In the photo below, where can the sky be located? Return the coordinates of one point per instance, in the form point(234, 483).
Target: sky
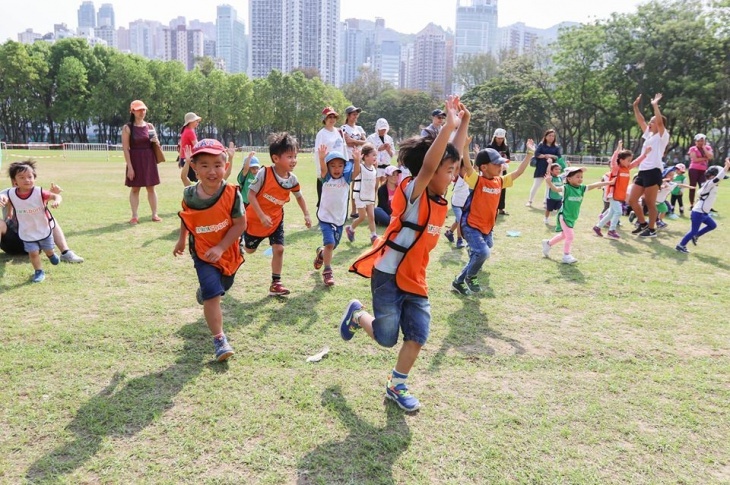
point(406, 16)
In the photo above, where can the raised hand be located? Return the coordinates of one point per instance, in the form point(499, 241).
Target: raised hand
point(637, 101)
point(322, 151)
point(188, 154)
point(231, 150)
point(530, 145)
point(657, 98)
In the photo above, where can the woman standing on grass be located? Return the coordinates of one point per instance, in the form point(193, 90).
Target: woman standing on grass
point(547, 152)
point(137, 139)
point(700, 155)
point(188, 138)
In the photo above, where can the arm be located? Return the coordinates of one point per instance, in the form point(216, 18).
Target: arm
point(125, 151)
point(254, 202)
point(462, 131)
point(321, 154)
point(637, 114)
point(303, 205)
point(614, 157)
point(356, 156)
point(56, 199)
point(658, 119)
point(597, 185)
point(435, 152)
point(526, 161)
point(232, 235)
point(179, 249)
point(230, 152)
point(640, 158)
point(549, 182)
point(186, 168)
point(351, 142)
point(247, 164)
point(389, 146)
point(685, 186)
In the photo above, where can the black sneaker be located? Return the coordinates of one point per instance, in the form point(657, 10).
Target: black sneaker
point(473, 284)
point(681, 249)
point(694, 240)
point(460, 288)
point(648, 233)
point(640, 228)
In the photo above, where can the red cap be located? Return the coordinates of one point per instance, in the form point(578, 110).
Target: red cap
point(329, 110)
point(209, 145)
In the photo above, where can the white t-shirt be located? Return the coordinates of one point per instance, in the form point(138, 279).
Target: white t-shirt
point(356, 133)
point(461, 193)
point(664, 191)
point(383, 155)
point(658, 144)
point(708, 194)
point(335, 193)
point(334, 142)
point(365, 184)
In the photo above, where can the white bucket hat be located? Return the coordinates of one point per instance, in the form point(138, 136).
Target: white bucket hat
point(382, 124)
point(190, 117)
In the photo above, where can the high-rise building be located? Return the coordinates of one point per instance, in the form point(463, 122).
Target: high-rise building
point(105, 16)
point(353, 52)
point(183, 45)
point(521, 39)
point(476, 30)
point(292, 34)
point(108, 34)
point(429, 61)
point(178, 22)
point(407, 65)
point(28, 37)
point(209, 48)
point(123, 39)
point(231, 39)
point(389, 62)
point(87, 15)
point(208, 28)
point(147, 39)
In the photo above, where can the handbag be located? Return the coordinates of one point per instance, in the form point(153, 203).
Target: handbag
point(159, 154)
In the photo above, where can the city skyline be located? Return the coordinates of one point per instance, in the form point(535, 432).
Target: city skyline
point(406, 16)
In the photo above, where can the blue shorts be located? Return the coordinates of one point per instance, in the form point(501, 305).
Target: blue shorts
point(212, 281)
point(553, 204)
point(397, 311)
point(458, 211)
point(277, 237)
point(331, 233)
point(43, 244)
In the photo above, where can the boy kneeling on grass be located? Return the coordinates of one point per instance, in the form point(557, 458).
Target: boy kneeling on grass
point(213, 221)
point(397, 262)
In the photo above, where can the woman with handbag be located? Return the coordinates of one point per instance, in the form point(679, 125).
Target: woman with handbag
point(138, 140)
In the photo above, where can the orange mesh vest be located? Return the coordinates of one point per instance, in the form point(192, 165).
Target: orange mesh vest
point(410, 276)
point(621, 184)
point(482, 204)
point(209, 226)
point(271, 198)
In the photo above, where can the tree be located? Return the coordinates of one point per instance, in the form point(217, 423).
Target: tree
point(474, 69)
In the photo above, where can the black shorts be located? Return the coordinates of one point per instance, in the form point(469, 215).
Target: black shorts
point(649, 178)
point(10, 241)
point(553, 204)
point(277, 237)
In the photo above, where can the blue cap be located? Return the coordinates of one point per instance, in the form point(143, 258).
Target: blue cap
point(334, 156)
point(668, 170)
point(254, 162)
point(490, 155)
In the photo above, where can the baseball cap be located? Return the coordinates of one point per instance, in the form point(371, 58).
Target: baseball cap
point(571, 170)
point(668, 170)
point(208, 145)
point(382, 124)
point(254, 162)
point(438, 112)
point(190, 117)
point(329, 110)
point(700, 136)
point(490, 155)
point(334, 156)
point(681, 167)
point(352, 109)
point(499, 133)
point(391, 169)
point(137, 104)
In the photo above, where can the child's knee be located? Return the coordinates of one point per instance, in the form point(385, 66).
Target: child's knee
point(277, 249)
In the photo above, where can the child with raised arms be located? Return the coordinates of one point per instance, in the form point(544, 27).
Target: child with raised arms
point(266, 197)
point(703, 206)
point(212, 221)
point(247, 175)
point(365, 189)
point(336, 173)
point(35, 222)
point(397, 262)
point(572, 191)
point(553, 199)
point(480, 210)
point(458, 199)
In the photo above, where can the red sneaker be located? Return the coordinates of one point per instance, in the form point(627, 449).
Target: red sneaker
point(328, 278)
point(319, 259)
point(277, 289)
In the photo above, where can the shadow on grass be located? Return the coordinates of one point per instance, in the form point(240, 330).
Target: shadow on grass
point(125, 407)
point(453, 257)
point(172, 236)
point(366, 455)
point(570, 272)
point(467, 331)
point(711, 260)
point(116, 227)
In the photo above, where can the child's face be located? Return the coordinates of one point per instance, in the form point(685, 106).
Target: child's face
point(370, 157)
point(336, 168)
point(24, 180)
point(443, 176)
point(624, 162)
point(575, 179)
point(490, 170)
point(555, 171)
point(254, 170)
point(393, 179)
point(210, 169)
point(286, 160)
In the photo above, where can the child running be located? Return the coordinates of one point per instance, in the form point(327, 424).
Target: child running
point(701, 210)
point(553, 199)
point(480, 210)
point(213, 221)
point(397, 262)
point(336, 174)
point(364, 192)
point(617, 190)
point(572, 191)
point(35, 222)
point(247, 175)
point(458, 199)
point(266, 197)
point(677, 200)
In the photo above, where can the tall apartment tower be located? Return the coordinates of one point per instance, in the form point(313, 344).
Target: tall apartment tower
point(231, 41)
point(291, 34)
point(476, 30)
point(429, 61)
point(87, 15)
point(183, 45)
point(105, 16)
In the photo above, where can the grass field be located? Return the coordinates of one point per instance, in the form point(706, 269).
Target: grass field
point(614, 370)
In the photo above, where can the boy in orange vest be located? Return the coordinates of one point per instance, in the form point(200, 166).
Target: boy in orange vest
point(266, 197)
point(397, 262)
point(213, 221)
point(480, 210)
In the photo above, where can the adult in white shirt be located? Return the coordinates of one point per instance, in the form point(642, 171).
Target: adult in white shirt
point(354, 138)
point(383, 143)
point(649, 178)
point(329, 136)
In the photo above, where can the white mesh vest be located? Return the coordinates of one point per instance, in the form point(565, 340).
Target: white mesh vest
point(34, 220)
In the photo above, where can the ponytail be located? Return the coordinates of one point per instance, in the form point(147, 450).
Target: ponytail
point(131, 128)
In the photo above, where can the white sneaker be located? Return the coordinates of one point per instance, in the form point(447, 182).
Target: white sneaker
point(546, 248)
point(71, 257)
point(546, 221)
point(569, 259)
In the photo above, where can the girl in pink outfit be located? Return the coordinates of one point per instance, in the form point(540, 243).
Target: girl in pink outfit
point(700, 156)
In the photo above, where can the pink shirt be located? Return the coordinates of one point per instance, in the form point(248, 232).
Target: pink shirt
point(697, 159)
point(188, 138)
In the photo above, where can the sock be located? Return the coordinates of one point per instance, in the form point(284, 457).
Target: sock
point(64, 252)
point(275, 278)
point(219, 336)
point(356, 316)
point(397, 378)
point(328, 268)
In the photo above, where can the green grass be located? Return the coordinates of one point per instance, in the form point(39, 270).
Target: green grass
point(615, 370)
